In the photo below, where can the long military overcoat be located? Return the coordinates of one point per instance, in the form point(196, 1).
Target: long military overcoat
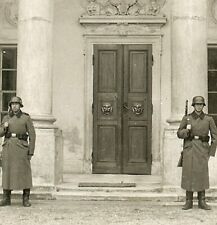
point(16, 168)
point(196, 153)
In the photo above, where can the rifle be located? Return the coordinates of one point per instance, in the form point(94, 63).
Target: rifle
point(180, 162)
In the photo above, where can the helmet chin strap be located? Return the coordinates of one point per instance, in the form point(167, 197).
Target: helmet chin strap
point(198, 112)
point(15, 112)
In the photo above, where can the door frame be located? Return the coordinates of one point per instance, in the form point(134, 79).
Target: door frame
point(156, 42)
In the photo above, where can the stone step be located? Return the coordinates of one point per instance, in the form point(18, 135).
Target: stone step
point(148, 189)
point(117, 196)
point(121, 194)
point(111, 178)
point(109, 183)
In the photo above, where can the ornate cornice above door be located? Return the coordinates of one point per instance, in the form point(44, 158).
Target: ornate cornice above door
point(123, 17)
point(123, 12)
point(124, 7)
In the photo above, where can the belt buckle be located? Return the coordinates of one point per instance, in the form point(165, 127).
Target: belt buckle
point(13, 135)
point(196, 137)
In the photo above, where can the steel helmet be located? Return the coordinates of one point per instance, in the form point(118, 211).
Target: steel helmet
point(198, 100)
point(16, 99)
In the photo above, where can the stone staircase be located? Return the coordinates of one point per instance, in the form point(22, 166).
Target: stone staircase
point(114, 187)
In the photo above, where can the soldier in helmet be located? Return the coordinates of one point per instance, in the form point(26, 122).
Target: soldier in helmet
point(18, 148)
point(195, 129)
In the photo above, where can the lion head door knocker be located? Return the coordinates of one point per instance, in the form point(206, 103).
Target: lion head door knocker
point(137, 109)
point(107, 109)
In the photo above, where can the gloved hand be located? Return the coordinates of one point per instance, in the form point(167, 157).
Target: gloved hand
point(6, 124)
point(184, 133)
point(212, 150)
point(29, 157)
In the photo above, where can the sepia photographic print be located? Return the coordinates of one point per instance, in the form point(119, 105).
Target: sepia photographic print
point(108, 112)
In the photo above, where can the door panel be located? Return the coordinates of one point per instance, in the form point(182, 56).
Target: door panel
point(138, 75)
point(122, 109)
point(107, 70)
point(137, 120)
point(106, 143)
point(106, 109)
point(137, 141)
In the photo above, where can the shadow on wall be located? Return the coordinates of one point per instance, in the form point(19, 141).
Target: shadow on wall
point(72, 138)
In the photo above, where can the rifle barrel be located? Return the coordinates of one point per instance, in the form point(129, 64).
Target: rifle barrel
point(186, 107)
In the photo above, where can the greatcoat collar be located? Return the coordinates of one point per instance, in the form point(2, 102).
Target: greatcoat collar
point(196, 116)
point(18, 115)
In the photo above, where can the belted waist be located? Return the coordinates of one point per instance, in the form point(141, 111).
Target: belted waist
point(202, 138)
point(19, 136)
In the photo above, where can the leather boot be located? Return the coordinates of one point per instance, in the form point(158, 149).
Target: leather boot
point(26, 194)
point(202, 201)
point(6, 199)
point(189, 201)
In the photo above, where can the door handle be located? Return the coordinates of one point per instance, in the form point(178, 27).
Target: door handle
point(125, 106)
point(137, 109)
point(107, 109)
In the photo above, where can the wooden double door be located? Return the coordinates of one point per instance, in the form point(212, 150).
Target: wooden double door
point(122, 109)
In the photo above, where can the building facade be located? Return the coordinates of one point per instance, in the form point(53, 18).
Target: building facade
point(106, 81)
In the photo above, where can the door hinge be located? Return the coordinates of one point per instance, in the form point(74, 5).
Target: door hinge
point(93, 60)
point(152, 60)
point(152, 108)
point(92, 159)
point(151, 158)
point(92, 108)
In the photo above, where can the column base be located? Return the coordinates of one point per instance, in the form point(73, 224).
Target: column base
point(48, 157)
point(172, 148)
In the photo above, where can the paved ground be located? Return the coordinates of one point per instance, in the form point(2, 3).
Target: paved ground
point(60, 212)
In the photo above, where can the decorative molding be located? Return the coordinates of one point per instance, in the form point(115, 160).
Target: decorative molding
point(123, 7)
point(122, 29)
point(123, 12)
point(122, 20)
point(11, 12)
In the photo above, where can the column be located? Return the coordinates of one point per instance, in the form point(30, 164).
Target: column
point(34, 72)
point(189, 76)
point(34, 83)
point(189, 53)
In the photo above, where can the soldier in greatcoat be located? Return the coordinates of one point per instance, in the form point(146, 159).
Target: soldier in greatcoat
point(18, 148)
point(195, 129)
